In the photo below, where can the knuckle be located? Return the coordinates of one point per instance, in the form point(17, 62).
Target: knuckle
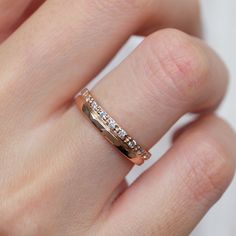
point(178, 62)
point(211, 170)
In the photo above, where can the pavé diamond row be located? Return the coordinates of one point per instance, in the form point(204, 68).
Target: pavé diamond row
point(127, 145)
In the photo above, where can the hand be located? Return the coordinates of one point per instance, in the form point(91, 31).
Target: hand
point(58, 175)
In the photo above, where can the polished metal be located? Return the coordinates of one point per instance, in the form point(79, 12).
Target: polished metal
point(110, 129)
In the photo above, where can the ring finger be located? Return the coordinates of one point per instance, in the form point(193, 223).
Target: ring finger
point(169, 74)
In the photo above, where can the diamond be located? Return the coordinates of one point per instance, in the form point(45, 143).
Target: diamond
point(122, 134)
point(99, 109)
point(103, 114)
point(111, 124)
point(94, 105)
point(88, 99)
point(146, 157)
point(132, 143)
point(140, 151)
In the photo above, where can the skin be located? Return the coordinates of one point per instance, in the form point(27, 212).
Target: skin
point(58, 176)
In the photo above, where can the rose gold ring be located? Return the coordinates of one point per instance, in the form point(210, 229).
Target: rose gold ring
point(110, 129)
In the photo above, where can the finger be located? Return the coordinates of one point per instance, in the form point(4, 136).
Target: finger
point(13, 13)
point(167, 13)
point(173, 196)
point(169, 74)
point(65, 45)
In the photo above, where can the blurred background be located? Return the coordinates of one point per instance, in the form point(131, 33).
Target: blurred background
point(219, 20)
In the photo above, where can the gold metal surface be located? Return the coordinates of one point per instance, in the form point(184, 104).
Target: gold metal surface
point(110, 129)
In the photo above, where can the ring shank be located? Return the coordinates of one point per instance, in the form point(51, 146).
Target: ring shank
point(100, 119)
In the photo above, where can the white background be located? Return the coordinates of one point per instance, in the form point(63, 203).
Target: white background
point(219, 18)
point(220, 26)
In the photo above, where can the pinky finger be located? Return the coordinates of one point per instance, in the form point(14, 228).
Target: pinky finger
point(174, 195)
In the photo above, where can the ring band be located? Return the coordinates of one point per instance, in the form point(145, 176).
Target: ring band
point(110, 129)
